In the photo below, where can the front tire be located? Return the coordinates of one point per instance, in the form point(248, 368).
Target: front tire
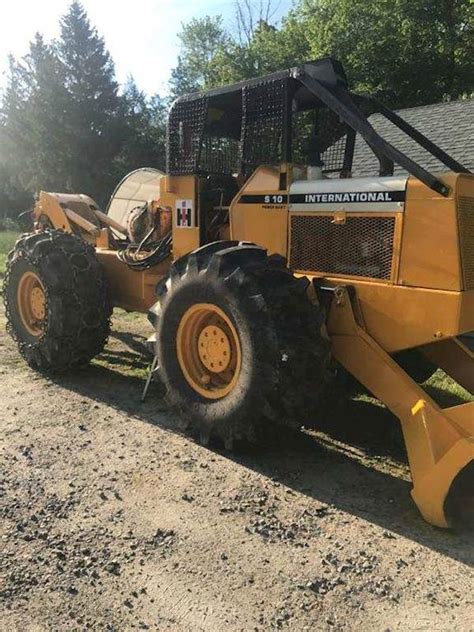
point(56, 301)
point(239, 342)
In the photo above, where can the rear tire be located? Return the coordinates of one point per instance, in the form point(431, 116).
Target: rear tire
point(283, 351)
point(70, 321)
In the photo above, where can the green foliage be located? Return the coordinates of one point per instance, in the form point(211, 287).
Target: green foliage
point(407, 52)
point(268, 50)
point(93, 130)
point(32, 114)
point(14, 197)
point(7, 241)
point(201, 42)
point(144, 127)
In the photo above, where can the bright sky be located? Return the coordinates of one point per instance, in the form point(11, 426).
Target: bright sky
point(141, 35)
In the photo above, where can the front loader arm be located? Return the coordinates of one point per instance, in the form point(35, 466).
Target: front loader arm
point(68, 212)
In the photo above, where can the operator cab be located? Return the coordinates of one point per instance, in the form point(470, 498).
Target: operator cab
point(255, 145)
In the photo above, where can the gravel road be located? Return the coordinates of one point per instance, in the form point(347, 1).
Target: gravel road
point(113, 519)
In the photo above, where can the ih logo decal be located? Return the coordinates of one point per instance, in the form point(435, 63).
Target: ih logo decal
point(185, 214)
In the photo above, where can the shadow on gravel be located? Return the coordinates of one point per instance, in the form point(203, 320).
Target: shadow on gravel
point(134, 341)
point(337, 465)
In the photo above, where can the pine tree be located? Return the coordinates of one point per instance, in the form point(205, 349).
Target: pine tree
point(94, 128)
point(145, 129)
point(32, 117)
point(64, 126)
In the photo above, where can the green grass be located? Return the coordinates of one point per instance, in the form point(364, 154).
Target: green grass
point(7, 241)
point(446, 391)
point(123, 315)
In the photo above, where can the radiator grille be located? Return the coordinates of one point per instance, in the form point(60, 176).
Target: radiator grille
point(466, 237)
point(363, 246)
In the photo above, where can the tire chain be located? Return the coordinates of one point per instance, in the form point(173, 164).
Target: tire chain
point(20, 250)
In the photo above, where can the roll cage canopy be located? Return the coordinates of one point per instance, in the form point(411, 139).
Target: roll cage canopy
point(235, 128)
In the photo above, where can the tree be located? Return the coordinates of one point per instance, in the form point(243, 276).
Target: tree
point(255, 46)
point(201, 40)
point(65, 126)
point(61, 111)
point(250, 16)
point(94, 132)
point(145, 131)
point(269, 49)
point(14, 197)
point(408, 52)
point(33, 117)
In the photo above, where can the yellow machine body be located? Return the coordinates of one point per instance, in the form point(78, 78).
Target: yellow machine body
point(427, 301)
point(429, 295)
point(422, 297)
point(261, 173)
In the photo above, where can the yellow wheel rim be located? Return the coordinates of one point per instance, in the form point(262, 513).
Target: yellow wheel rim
point(209, 351)
point(31, 299)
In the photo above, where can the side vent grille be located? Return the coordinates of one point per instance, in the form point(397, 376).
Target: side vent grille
point(466, 238)
point(362, 247)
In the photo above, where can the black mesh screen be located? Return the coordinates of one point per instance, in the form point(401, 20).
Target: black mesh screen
point(319, 137)
point(185, 129)
point(219, 156)
point(466, 237)
point(263, 109)
point(333, 157)
point(363, 246)
point(332, 136)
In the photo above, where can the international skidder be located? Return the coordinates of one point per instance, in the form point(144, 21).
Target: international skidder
point(260, 260)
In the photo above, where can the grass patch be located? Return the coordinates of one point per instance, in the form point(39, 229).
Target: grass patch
point(7, 241)
point(446, 391)
point(122, 315)
point(132, 368)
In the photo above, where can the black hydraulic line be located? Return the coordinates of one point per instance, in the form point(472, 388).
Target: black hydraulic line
point(160, 252)
point(340, 101)
point(420, 138)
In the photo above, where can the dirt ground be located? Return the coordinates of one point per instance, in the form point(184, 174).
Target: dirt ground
point(114, 520)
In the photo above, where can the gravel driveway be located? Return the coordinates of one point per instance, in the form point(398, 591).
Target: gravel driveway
point(114, 520)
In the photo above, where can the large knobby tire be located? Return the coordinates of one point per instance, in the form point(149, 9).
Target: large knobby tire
point(56, 300)
point(283, 352)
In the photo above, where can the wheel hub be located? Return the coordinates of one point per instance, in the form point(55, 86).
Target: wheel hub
point(38, 303)
point(214, 348)
point(31, 301)
point(208, 349)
